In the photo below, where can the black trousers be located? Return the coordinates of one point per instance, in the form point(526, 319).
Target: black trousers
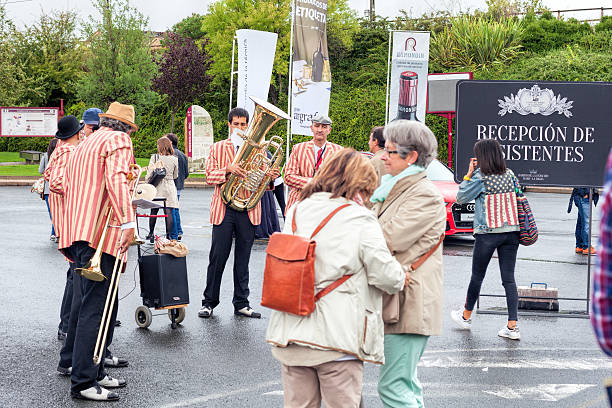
point(66, 300)
point(234, 223)
point(92, 298)
point(485, 245)
point(279, 193)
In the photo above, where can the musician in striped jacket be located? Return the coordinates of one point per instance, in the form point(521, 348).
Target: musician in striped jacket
point(68, 138)
point(307, 157)
point(496, 227)
point(228, 223)
point(96, 180)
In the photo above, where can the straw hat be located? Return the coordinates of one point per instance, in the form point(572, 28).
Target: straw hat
point(122, 113)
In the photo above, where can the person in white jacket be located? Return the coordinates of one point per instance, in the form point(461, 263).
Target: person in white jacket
point(322, 354)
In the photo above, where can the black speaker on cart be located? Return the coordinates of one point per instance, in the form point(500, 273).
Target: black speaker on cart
point(163, 280)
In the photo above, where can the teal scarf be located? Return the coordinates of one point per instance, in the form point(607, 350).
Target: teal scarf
point(388, 181)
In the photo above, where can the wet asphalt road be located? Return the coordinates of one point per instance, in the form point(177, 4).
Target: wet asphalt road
point(224, 361)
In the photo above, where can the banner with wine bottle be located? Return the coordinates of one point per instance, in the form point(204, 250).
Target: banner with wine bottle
point(407, 75)
point(311, 75)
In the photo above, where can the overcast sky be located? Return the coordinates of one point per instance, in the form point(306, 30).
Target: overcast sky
point(163, 14)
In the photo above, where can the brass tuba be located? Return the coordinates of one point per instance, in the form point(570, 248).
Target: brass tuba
point(244, 193)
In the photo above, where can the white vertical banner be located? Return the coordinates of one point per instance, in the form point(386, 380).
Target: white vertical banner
point(408, 77)
point(256, 50)
point(311, 74)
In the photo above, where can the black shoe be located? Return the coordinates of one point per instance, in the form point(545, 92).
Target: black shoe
point(96, 393)
point(109, 382)
point(117, 323)
point(247, 312)
point(61, 336)
point(205, 312)
point(150, 238)
point(180, 237)
point(115, 362)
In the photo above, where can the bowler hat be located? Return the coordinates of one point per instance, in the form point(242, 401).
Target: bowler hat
point(90, 116)
point(322, 119)
point(121, 112)
point(67, 127)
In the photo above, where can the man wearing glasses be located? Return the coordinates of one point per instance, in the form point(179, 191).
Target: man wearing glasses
point(307, 157)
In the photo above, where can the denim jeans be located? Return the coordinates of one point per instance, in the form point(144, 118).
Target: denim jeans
point(485, 245)
point(176, 218)
point(582, 223)
point(49, 209)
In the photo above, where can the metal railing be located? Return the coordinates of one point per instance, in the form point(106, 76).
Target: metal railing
point(559, 13)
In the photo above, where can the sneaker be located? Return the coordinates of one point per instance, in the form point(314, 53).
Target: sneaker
point(457, 316)
point(180, 237)
point(109, 382)
point(205, 311)
point(585, 251)
point(512, 334)
point(52, 238)
point(247, 312)
point(115, 362)
point(96, 393)
point(578, 250)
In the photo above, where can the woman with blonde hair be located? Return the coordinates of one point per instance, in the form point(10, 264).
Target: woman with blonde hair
point(322, 354)
point(166, 187)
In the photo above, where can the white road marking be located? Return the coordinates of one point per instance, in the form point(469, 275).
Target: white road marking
point(205, 398)
point(585, 364)
point(541, 392)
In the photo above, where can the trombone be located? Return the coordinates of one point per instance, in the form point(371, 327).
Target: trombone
point(93, 270)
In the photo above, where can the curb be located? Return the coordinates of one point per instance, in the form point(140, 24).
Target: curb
point(200, 183)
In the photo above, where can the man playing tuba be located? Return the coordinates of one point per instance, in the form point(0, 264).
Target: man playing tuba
point(228, 222)
point(96, 181)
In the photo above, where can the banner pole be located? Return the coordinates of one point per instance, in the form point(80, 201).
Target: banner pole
point(588, 293)
point(290, 84)
point(232, 76)
point(388, 78)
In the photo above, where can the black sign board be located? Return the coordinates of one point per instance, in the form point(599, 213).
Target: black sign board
point(552, 133)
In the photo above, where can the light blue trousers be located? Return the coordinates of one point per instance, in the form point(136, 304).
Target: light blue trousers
point(398, 385)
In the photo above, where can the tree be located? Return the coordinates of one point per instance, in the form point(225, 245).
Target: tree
point(183, 72)
point(190, 27)
point(119, 65)
point(50, 53)
point(16, 87)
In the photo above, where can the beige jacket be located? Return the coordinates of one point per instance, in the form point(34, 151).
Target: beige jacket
point(166, 188)
point(348, 319)
point(413, 218)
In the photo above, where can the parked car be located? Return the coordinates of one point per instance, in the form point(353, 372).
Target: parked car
point(459, 217)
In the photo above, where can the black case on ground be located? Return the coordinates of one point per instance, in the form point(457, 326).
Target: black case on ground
point(163, 280)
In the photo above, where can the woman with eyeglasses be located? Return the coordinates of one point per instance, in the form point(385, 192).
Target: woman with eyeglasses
point(411, 213)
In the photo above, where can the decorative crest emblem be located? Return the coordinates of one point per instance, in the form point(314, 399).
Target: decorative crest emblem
point(535, 101)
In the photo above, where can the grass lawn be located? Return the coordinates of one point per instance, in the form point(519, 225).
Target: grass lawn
point(32, 169)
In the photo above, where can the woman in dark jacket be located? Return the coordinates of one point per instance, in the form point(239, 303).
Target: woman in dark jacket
point(492, 185)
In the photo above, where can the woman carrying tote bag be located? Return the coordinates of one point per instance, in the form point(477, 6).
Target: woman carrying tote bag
point(165, 188)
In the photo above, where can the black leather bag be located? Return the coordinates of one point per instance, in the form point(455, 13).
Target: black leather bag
point(158, 174)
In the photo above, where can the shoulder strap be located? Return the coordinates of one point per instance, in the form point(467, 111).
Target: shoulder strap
point(326, 219)
point(331, 287)
point(321, 225)
point(422, 259)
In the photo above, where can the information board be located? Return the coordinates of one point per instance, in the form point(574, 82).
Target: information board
point(552, 133)
point(28, 122)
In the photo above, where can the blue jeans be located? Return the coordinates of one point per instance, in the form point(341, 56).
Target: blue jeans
point(582, 223)
point(49, 209)
point(176, 218)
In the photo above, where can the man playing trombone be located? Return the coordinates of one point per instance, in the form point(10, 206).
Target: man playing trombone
point(96, 183)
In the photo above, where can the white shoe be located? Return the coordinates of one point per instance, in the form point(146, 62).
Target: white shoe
point(110, 382)
point(457, 316)
point(205, 312)
point(512, 334)
point(96, 393)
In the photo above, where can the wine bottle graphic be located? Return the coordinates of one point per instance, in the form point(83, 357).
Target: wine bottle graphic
point(407, 102)
point(317, 63)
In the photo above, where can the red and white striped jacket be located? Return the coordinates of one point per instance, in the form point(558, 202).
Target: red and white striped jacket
point(54, 174)
point(300, 167)
point(96, 180)
point(220, 156)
